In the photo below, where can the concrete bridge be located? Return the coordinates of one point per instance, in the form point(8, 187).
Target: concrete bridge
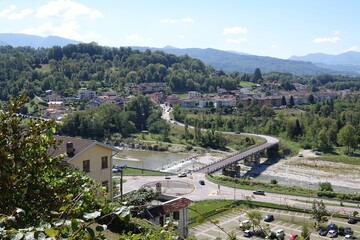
point(250, 156)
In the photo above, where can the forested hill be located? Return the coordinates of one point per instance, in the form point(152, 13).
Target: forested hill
point(66, 69)
point(231, 62)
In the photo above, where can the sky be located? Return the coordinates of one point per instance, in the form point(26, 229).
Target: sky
point(276, 28)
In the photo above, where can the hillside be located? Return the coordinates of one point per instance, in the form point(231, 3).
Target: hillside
point(18, 39)
point(231, 62)
point(347, 58)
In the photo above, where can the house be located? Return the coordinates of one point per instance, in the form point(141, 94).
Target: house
point(84, 93)
point(206, 102)
point(52, 113)
point(225, 101)
point(90, 156)
point(189, 103)
point(172, 208)
point(194, 94)
point(172, 99)
point(56, 105)
point(142, 88)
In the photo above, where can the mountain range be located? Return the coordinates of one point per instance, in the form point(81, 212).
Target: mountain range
point(230, 61)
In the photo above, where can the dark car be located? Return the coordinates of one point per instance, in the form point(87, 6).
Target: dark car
point(202, 182)
point(259, 192)
point(348, 230)
point(352, 221)
point(323, 231)
point(269, 218)
point(167, 177)
point(248, 233)
point(331, 226)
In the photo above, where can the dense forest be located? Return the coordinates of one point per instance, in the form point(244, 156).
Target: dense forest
point(25, 70)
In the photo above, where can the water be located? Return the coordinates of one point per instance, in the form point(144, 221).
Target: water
point(147, 159)
point(292, 182)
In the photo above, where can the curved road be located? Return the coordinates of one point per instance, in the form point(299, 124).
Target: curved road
point(270, 141)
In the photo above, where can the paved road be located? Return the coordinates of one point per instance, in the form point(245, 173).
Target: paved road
point(190, 188)
point(270, 142)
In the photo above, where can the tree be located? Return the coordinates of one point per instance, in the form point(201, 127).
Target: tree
point(292, 103)
point(283, 101)
point(319, 212)
point(347, 136)
point(257, 75)
point(305, 233)
point(326, 186)
point(311, 99)
point(255, 218)
point(33, 183)
point(323, 141)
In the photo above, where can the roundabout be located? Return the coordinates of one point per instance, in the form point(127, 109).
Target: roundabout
point(172, 188)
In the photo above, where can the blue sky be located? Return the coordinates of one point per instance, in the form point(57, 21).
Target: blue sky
point(277, 28)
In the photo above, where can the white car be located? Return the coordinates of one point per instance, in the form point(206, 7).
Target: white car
point(300, 155)
point(348, 236)
point(245, 222)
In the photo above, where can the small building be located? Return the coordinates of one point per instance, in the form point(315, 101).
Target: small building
point(189, 103)
point(90, 156)
point(56, 105)
point(173, 208)
point(194, 94)
point(172, 99)
point(84, 93)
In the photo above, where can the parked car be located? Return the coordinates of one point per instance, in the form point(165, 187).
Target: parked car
point(167, 177)
point(248, 233)
point(202, 182)
point(182, 174)
point(115, 170)
point(331, 226)
point(317, 153)
point(293, 236)
point(237, 132)
point(269, 218)
point(348, 237)
point(323, 231)
point(348, 230)
point(280, 232)
point(245, 222)
point(352, 221)
point(332, 233)
point(259, 192)
point(300, 155)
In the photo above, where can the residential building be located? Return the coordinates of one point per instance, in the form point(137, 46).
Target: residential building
point(143, 88)
point(189, 103)
point(172, 99)
point(225, 101)
point(84, 93)
point(194, 94)
point(56, 105)
point(90, 156)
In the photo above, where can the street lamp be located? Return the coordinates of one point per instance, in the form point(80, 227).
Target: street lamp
point(121, 168)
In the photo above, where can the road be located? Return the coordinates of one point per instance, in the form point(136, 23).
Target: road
point(270, 141)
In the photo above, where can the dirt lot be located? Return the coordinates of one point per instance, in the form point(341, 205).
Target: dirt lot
point(315, 171)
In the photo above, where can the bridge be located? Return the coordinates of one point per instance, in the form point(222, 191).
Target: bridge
point(251, 154)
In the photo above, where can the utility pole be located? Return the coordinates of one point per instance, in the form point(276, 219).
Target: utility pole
point(121, 181)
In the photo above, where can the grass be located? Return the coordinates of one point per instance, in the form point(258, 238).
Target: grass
point(327, 204)
point(289, 112)
point(247, 84)
point(294, 147)
point(338, 158)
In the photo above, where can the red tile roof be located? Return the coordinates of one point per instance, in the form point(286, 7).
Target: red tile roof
point(170, 206)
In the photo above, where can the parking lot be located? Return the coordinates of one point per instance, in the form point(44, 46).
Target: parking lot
point(290, 222)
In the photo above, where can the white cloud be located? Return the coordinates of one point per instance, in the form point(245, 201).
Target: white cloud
point(133, 37)
point(67, 29)
point(67, 10)
point(353, 48)
point(274, 46)
point(327, 40)
point(240, 40)
point(184, 20)
point(336, 32)
point(235, 30)
point(182, 36)
point(8, 13)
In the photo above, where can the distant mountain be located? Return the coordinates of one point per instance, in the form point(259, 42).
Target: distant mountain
point(347, 58)
point(19, 39)
point(231, 62)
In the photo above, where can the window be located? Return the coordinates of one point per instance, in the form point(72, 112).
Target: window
point(105, 184)
point(104, 162)
point(86, 166)
point(176, 215)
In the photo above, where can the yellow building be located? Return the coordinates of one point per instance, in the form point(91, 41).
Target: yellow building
point(90, 156)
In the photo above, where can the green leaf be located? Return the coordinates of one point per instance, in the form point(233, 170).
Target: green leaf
point(101, 228)
point(40, 236)
point(17, 236)
point(57, 222)
point(200, 219)
point(51, 232)
point(90, 232)
point(54, 213)
point(74, 224)
point(92, 215)
point(121, 211)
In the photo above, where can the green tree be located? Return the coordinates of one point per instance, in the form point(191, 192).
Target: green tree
point(323, 141)
point(292, 103)
point(347, 137)
point(283, 101)
point(305, 232)
point(325, 186)
point(257, 76)
point(319, 212)
point(255, 218)
point(311, 99)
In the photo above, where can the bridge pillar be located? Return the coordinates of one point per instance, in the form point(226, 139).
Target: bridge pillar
point(232, 170)
point(253, 160)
